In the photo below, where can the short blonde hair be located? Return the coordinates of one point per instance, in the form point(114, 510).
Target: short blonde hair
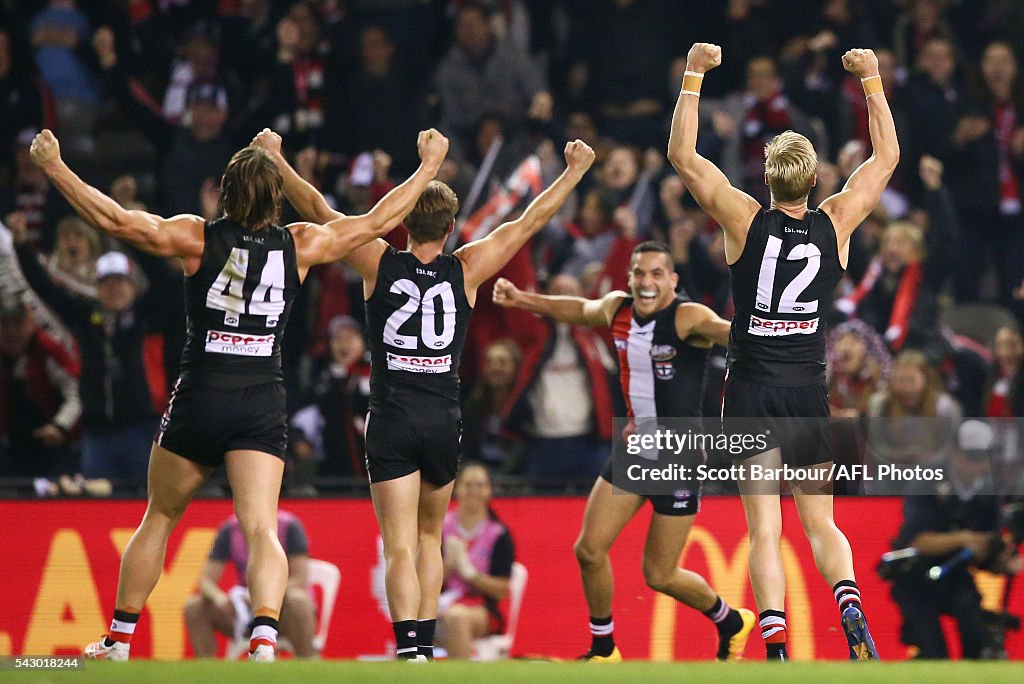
point(790, 164)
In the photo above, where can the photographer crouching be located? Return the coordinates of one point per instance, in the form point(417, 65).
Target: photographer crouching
point(945, 533)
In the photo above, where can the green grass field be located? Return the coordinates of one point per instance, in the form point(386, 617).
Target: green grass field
point(532, 672)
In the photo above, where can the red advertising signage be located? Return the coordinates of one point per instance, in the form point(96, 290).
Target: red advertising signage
point(60, 561)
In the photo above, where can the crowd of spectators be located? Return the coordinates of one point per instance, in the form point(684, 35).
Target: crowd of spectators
point(150, 98)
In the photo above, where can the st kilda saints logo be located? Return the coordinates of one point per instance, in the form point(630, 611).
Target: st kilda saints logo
point(662, 355)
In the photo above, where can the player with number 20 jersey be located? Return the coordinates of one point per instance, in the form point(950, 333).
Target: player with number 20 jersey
point(418, 303)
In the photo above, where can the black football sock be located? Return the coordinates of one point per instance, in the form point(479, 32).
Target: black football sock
point(405, 639)
point(602, 639)
point(425, 638)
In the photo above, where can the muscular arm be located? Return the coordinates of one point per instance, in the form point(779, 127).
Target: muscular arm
point(336, 239)
point(697, 319)
point(307, 200)
point(331, 235)
point(482, 259)
point(575, 310)
point(180, 236)
point(730, 207)
point(849, 207)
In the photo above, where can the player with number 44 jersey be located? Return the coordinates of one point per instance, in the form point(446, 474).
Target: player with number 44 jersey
point(242, 273)
point(418, 304)
point(786, 262)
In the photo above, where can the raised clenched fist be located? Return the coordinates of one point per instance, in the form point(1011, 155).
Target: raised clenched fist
point(862, 63)
point(268, 140)
point(578, 156)
point(703, 57)
point(432, 147)
point(505, 293)
point(45, 148)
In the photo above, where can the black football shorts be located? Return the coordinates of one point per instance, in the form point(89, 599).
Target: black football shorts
point(202, 423)
point(395, 449)
point(682, 502)
point(795, 419)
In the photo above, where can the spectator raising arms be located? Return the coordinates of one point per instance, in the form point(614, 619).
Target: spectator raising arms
point(123, 384)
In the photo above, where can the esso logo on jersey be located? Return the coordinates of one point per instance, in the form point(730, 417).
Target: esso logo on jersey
point(419, 364)
point(763, 327)
point(239, 344)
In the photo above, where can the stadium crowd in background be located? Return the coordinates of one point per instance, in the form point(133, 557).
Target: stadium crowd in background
point(150, 99)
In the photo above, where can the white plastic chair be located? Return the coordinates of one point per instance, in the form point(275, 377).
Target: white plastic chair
point(320, 573)
point(498, 646)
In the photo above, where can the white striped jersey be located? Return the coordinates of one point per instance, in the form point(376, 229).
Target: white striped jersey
point(661, 376)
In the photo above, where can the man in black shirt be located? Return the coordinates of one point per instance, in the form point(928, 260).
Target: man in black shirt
point(786, 262)
point(418, 304)
point(242, 273)
point(119, 388)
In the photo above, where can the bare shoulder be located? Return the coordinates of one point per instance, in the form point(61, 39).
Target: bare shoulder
point(301, 230)
point(613, 300)
point(693, 311)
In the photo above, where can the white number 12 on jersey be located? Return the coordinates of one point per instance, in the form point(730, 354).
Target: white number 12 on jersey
point(766, 278)
point(227, 292)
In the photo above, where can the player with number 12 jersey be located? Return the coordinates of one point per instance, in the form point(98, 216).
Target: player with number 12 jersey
point(786, 261)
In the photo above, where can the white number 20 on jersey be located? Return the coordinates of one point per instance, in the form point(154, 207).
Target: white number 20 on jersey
point(427, 305)
point(227, 292)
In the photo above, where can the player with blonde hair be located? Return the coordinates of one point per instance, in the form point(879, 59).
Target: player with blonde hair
point(786, 262)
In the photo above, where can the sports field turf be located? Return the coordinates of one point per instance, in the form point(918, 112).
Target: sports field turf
point(533, 672)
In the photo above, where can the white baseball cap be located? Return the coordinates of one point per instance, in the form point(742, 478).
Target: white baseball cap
point(113, 264)
point(976, 436)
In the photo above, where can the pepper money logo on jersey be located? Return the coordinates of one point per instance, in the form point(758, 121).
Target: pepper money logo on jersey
point(419, 364)
point(238, 344)
point(766, 327)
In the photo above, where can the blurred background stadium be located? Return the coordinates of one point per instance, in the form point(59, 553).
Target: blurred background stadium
point(151, 97)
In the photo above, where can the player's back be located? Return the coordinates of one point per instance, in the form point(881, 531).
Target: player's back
point(237, 305)
point(417, 319)
point(783, 285)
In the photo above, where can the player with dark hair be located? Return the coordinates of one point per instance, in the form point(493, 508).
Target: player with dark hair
point(663, 342)
point(228, 406)
point(418, 304)
point(786, 262)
